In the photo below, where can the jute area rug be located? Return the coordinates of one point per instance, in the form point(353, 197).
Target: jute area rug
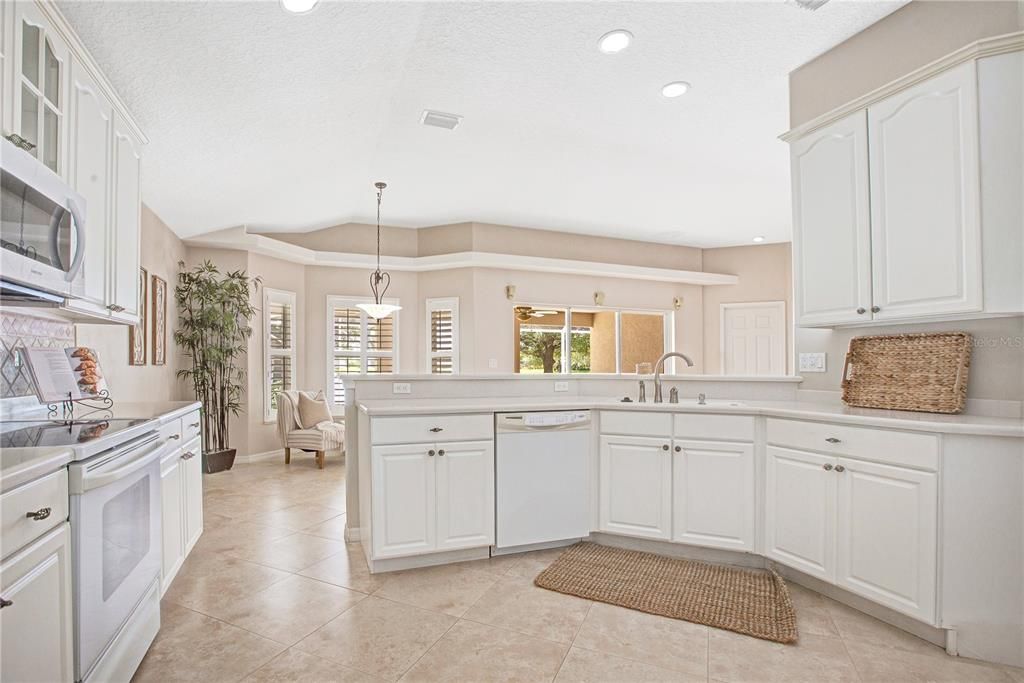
point(754, 602)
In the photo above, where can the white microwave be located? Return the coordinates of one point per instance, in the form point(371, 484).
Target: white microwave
point(42, 226)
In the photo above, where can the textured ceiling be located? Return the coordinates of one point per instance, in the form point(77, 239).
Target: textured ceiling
point(282, 122)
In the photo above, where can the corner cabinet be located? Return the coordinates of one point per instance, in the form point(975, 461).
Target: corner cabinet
point(892, 220)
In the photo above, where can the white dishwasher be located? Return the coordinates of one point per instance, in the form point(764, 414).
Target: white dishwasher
point(542, 478)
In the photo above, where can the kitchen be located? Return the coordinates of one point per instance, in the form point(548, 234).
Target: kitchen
point(504, 386)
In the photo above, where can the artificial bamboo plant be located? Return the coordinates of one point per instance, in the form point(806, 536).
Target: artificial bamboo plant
point(214, 311)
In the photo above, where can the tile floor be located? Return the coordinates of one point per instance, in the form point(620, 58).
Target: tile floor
point(273, 593)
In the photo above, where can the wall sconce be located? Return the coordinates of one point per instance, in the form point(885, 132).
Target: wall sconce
point(599, 298)
point(677, 302)
point(510, 292)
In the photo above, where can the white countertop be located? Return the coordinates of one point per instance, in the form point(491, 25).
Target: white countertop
point(806, 410)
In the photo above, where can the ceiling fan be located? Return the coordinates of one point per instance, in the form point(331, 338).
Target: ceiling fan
point(524, 313)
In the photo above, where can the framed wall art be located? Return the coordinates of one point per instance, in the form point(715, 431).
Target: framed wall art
point(159, 315)
point(137, 333)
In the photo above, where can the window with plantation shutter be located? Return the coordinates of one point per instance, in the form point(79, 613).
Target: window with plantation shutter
point(357, 344)
point(278, 347)
point(442, 318)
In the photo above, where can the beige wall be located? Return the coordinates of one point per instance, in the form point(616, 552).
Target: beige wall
point(354, 238)
point(161, 250)
point(765, 275)
point(907, 39)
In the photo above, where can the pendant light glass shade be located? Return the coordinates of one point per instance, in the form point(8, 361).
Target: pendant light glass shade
point(379, 281)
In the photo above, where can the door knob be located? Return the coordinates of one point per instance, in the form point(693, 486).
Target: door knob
point(875, 309)
point(441, 452)
point(862, 310)
point(431, 452)
point(827, 467)
point(840, 468)
point(665, 447)
point(679, 449)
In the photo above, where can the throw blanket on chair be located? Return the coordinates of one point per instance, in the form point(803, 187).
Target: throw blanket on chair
point(326, 435)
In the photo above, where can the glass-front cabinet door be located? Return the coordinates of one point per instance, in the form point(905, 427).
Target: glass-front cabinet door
point(40, 87)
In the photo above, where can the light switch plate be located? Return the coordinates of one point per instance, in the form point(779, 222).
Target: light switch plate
point(812, 362)
point(401, 388)
point(561, 386)
point(492, 363)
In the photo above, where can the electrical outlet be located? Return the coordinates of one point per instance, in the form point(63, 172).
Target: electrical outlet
point(561, 386)
point(401, 388)
point(812, 362)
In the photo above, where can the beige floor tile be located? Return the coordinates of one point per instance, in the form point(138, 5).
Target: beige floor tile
point(378, 636)
point(1015, 673)
point(812, 614)
point(879, 664)
point(289, 610)
point(668, 643)
point(297, 517)
point(194, 647)
point(230, 535)
point(448, 588)
point(244, 506)
point(333, 528)
point(210, 580)
point(737, 658)
point(533, 563)
point(515, 603)
point(291, 553)
point(348, 569)
point(499, 565)
point(855, 625)
point(292, 666)
point(475, 652)
point(587, 666)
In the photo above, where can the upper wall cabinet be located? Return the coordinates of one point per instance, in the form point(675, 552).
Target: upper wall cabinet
point(904, 210)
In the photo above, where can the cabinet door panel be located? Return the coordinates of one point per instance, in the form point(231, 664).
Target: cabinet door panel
point(465, 494)
point(91, 133)
point(37, 629)
point(126, 224)
point(636, 486)
point(800, 511)
point(192, 494)
point(714, 494)
point(172, 533)
point(831, 228)
point(886, 535)
point(404, 518)
point(925, 216)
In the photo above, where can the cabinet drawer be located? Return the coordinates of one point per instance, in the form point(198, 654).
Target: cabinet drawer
point(170, 433)
point(725, 427)
point(427, 429)
point(17, 528)
point(191, 426)
point(880, 445)
point(637, 423)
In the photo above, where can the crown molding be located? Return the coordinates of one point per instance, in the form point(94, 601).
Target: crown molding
point(986, 47)
point(240, 239)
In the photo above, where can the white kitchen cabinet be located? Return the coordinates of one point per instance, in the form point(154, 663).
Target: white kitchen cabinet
point(636, 486)
point(404, 505)
point(925, 204)
point(465, 494)
point(172, 502)
point(36, 612)
point(831, 223)
point(800, 510)
point(886, 535)
point(126, 224)
point(714, 494)
point(192, 490)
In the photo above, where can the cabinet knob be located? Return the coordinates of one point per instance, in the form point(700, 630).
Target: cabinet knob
point(840, 468)
point(679, 449)
point(441, 452)
point(39, 515)
point(437, 429)
point(5, 602)
point(431, 452)
point(832, 439)
point(861, 310)
point(875, 309)
point(194, 424)
point(174, 436)
point(188, 455)
point(665, 447)
point(827, 468)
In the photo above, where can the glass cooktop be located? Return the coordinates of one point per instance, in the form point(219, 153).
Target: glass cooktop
point(41, 433)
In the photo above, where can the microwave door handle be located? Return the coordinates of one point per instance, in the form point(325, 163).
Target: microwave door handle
point(76, 263)
point(55, 219)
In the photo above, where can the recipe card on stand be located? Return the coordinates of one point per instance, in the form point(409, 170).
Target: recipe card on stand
point(61, 374)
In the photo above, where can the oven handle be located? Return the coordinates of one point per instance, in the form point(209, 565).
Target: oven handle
point(150, 455)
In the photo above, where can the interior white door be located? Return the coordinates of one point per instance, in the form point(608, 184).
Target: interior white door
point(831, 224)
point(886, 535)
point(127, 219)
point(171, 532)
point(37, 643)
point(465, 494)
point(192, 493)
point(753, 338)
point(636, 486)
point(800, 510)
point(925, 187)
point(714, 494)
point(403, 499)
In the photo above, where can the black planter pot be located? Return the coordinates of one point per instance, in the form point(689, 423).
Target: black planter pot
point(218, 461)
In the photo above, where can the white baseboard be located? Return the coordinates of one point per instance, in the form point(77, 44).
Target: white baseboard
point(352, 534)
point(257, 457)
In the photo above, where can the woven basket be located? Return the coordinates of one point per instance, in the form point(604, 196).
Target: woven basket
point(922, 372)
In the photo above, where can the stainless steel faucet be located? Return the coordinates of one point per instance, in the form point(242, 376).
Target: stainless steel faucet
point(660, 365)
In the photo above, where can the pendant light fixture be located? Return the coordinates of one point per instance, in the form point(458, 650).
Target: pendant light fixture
point(379, 281)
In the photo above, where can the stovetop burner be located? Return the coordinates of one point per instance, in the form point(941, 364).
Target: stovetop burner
point(41, 433)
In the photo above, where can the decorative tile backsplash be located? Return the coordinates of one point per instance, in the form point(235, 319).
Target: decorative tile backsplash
point(19, 331)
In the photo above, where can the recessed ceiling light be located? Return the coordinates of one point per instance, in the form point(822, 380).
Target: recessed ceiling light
point(299, 6)
point(759, 238)
point(615, 41)
point(675, 88)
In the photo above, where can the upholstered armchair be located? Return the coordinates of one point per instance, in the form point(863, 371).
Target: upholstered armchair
point(323, 437)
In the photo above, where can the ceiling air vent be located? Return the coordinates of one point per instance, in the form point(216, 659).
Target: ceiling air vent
point(439, 119)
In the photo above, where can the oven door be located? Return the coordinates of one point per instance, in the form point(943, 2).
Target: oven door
point(42, 225)
point(115, 525)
